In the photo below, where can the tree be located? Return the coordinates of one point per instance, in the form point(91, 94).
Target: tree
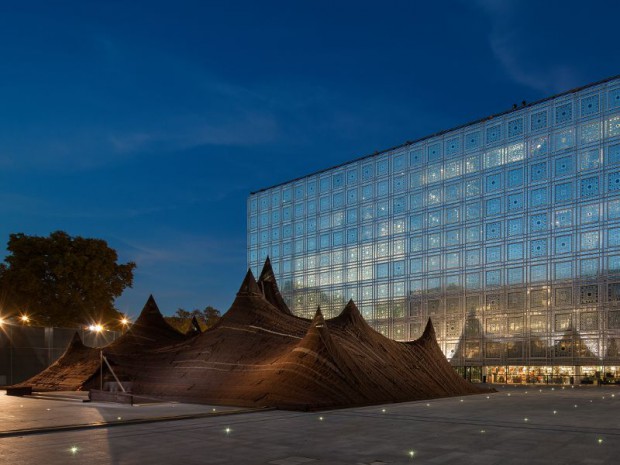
point(182, 319)
point(62, 280)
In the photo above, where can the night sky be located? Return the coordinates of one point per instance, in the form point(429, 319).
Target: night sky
point(147, 124)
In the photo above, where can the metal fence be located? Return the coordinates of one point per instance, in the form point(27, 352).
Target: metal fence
point(26, 351)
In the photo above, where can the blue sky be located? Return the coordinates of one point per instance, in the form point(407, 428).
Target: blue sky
point(147, 124)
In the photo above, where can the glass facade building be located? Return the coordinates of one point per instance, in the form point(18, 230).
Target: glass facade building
point(505, 231)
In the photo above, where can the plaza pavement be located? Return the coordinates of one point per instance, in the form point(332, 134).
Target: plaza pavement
point(517, 425)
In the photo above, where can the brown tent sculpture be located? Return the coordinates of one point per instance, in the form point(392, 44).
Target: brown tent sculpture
point(71, 372)
point(260, 355)
point(79, 367)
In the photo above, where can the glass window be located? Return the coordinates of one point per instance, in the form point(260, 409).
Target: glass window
point(473, 211)
point(494, 158)
point(472, 257)
point(590, 132)
point(563, 192)
point(472, 140)
point(589, 240)
point(538, 273)
point(538, 172)
point(538, 197)
point(493, 206)
point(538, 222)
point(453, 259)
point(453, 215)
point(472, 187)
point(515, 226)
point(453, 237)
point(563, 244)
point(416, 200)
point(564, 166)
point(588, 267)
point(539, 120)
point(614, 181)
point(538, 248)
point(515, 178)
point(563, 270)
point(493, 230)
point(434, 240)
point(453, 169)
point(563, 218)
point(415, 265)
point(539, 146)
point(472, 280)
point(563, 113)
point(589, 105)
point(434, 196)
point(515, 275)
point(415, 244)
point(515, 251)
point(434, 218)
point(589, 159)
point(613, 154)
point(589, 187)
point(453, 192)
point(515, 202)
point(494, 133)
point(564, 139)
point(472, 164)
point(494, 182)
point(493, 278)
point(494, 254)
point(589, 213)
point(515, 127)
point(416, 157)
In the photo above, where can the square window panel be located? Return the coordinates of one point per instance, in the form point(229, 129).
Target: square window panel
point(563, 192)
point(563, 218)
point(538, 222)
point(515, 202)
point(613, 99)
point(539, 120)
point(493, 230)
point(494, 134)
point(563, 244)
point(538, 248)
point(590, 105)
point(564, 113)
point(589, 187)
point(564, 166)
point(515, 127)
point(515, 178)
point(538, 172)
point(613, 182)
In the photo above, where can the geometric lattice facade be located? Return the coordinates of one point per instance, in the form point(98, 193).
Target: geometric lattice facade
point(505, 231)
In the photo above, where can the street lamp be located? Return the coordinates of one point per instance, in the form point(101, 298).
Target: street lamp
point(25, 319)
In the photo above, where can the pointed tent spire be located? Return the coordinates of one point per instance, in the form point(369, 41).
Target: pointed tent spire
point(269, 288)
point(429, 331)
point(195, 325)
point(76, 341)
point(318, 314)
point(267, 273)
point(149, 311)
point(249, 285)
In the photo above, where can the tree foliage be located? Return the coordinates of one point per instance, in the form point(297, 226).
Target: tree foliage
point(62, 280)
point(182, 319)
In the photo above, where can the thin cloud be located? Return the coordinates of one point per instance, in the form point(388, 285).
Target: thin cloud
point(513, 48)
